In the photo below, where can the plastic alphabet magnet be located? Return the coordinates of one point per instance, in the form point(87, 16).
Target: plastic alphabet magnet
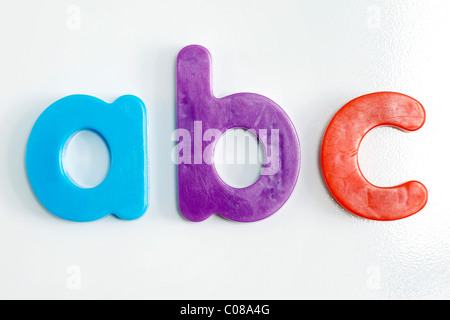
point(340, 156)
point(202, 118)
point(123, 125)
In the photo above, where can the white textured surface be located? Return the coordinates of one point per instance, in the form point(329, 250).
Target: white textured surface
point(239, 158)
point(86, 159)
point(311, 57)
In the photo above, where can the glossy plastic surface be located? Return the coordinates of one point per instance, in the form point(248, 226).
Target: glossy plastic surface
point(123, 126)
point(340, 156)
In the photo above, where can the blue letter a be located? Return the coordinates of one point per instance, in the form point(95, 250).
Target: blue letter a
point(123, 126)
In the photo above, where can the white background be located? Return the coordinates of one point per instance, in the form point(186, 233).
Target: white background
point(309, 56)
